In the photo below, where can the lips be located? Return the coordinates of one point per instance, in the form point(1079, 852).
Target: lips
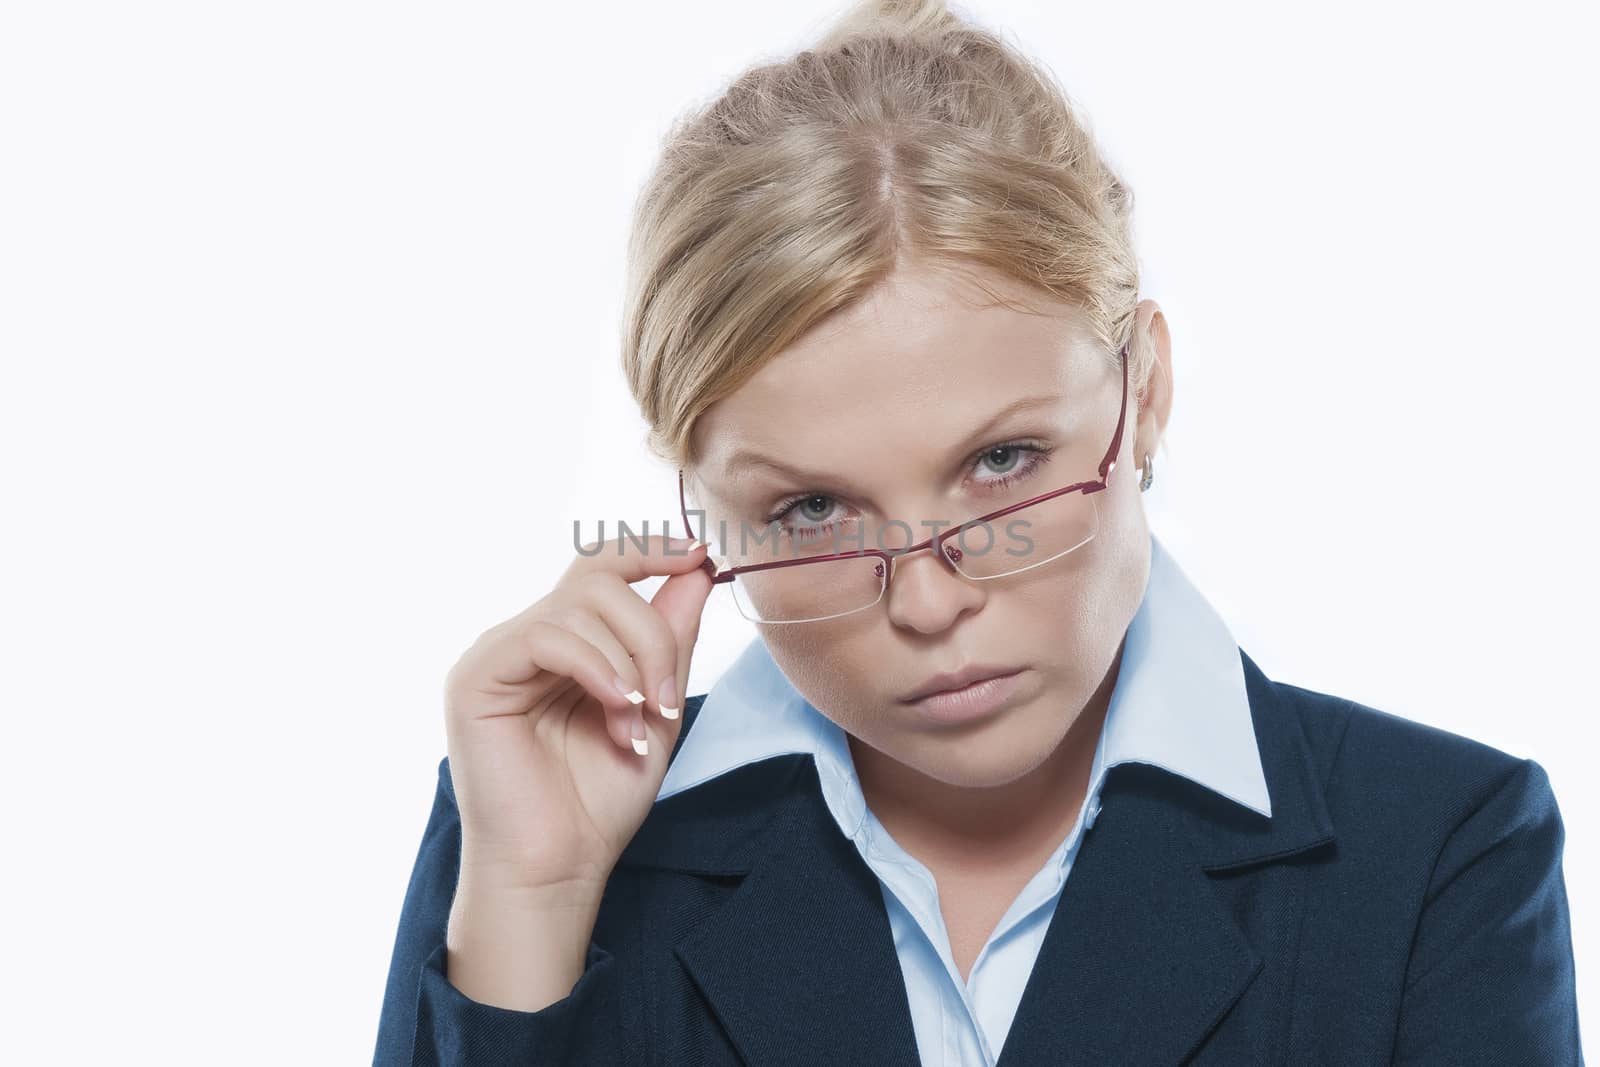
point(949, 681)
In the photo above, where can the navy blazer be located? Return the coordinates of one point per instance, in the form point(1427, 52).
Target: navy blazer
point(1404, 904)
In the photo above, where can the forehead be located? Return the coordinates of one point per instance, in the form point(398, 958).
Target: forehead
point(927, 350)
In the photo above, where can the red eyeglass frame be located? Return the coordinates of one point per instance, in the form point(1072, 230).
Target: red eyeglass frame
point(1107, 465)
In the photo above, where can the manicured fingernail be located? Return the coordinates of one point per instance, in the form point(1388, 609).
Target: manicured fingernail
point(668, 699)
point(633, 695)
point(641, 743)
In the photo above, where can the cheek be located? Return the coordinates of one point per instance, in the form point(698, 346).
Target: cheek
point(1060, 620)
point(1072, 620)
point(831, 664)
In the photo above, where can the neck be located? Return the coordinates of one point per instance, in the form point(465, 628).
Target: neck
point(955, 827)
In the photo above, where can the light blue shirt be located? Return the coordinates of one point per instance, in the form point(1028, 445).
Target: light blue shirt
point(1179, 703)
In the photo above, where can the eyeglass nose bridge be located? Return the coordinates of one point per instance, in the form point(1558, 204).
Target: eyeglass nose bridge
point(937, 544)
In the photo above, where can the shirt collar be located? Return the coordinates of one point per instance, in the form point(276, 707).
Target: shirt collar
point(1179, 703)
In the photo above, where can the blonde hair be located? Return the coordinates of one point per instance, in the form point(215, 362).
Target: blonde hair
point(904, 133)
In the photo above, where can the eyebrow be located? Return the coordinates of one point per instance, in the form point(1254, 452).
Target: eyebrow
point(747, 457)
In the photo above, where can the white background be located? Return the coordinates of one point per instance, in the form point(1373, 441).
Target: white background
point(309, 316)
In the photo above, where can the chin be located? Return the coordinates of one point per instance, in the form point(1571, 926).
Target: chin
point(995, 752)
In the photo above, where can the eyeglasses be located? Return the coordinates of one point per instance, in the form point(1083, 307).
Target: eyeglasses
point(793, 581)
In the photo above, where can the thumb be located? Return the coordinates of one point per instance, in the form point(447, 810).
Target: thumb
point(681, 600)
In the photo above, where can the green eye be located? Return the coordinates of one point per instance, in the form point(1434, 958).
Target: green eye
point(1002, 459)
point(815, 508)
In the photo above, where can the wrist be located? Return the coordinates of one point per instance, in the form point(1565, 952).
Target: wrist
point(509, 881)
point(494, 892)
point(518, 947)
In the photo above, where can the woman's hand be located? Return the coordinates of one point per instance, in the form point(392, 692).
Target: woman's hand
point(541, 729)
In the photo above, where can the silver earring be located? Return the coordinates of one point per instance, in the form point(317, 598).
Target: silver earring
point(1149, 474)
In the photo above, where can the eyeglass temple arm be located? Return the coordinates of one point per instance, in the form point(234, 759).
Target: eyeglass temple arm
point(708, 564)
point(1110, 460)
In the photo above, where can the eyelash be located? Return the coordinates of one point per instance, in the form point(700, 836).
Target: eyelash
point(1039, 451)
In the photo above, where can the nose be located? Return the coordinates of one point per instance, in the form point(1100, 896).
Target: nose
point(926, 593)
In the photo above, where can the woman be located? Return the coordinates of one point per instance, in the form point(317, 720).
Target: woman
point(994, 784)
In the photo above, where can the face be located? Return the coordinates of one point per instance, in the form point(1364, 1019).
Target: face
point(888, 410)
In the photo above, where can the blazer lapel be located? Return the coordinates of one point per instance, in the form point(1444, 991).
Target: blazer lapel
point(799, 964)
point(1141, 958)
point(1140, 961)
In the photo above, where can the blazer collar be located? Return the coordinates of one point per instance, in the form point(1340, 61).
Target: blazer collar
point(1140, 960)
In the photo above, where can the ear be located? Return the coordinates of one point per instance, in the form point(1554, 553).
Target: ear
point(1153, 394)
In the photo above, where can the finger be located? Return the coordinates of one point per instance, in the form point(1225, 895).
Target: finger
point(681, 601)
point(587, 624)
point(514, 656)
point(646, 636)
point(635, 559)
point(599, 632)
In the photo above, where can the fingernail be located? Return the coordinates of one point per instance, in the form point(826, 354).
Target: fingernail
point(668, 698)
point(633, 695)
point(641, 744)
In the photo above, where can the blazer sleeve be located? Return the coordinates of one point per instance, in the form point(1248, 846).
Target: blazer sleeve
point(1490, 978)
point(426, 1021)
